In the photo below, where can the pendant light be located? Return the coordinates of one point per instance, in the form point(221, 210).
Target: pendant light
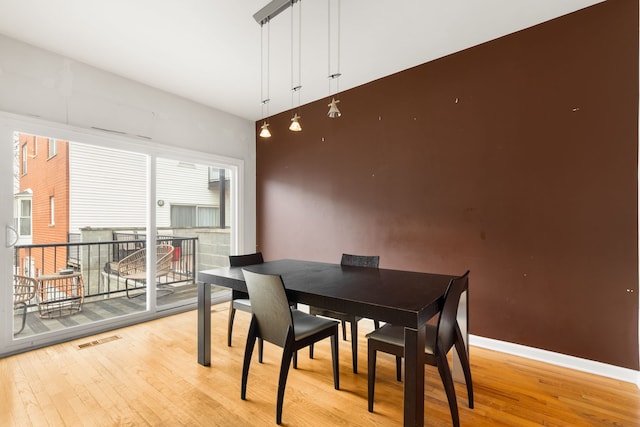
point(264, 100)
point(295, 88)
point(334, 76)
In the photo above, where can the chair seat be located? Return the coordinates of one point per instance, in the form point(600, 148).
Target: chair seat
point(394, 335)
point(242, 305)
point(305, 325)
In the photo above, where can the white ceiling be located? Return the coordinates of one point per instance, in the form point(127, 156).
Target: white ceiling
point(209, 50)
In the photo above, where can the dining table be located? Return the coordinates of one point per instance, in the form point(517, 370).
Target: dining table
point(406, 298)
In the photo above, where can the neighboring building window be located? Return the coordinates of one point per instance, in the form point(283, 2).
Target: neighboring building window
point(53, 147)
point(24, 158)
point(25, 218)
point(194, 216)
point(52, 210)
point(207, 217)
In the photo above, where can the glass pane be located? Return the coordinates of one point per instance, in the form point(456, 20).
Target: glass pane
point(190, 197)
point(83, 226)
point(183, 216)
point(207, 217)
point(25, 218)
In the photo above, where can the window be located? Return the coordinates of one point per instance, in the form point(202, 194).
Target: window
point(24, 227)
point(195, 216)
point(24, 159)
point(53, 147)
point(52, 210)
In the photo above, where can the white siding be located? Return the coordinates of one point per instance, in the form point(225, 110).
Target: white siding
point(106, 187)
point(182, 183)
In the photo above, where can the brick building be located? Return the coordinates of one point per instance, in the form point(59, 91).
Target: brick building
point(44, 171)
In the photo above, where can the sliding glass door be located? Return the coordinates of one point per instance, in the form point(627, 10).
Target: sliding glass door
point(101, 231)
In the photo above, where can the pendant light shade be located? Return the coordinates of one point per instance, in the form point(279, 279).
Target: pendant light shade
point(264, 130)
point(295, 123)
point(333, 109)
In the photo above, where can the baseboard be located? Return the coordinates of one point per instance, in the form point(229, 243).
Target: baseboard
point(572, 362)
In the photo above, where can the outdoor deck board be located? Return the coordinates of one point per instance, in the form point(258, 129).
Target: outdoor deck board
point(103, 308)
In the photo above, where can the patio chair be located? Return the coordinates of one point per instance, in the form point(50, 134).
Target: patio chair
point(24, 290)
point(133, 268)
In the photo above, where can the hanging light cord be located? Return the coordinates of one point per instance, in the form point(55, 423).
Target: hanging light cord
point(299, 50)
point(264, 100)
point(296, 87)
point(334, 76)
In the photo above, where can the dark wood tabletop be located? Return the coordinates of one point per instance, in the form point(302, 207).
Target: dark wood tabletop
point(400, 297)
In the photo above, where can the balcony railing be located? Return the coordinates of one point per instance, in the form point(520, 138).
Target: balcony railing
point(92, 260)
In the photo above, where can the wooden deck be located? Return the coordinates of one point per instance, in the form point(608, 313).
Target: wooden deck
point(100, 308)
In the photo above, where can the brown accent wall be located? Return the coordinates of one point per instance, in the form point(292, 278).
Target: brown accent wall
point(516, 159)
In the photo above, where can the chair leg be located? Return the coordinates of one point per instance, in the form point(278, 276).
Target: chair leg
point(399, 368)
point(447, 381)
point(371, 374)
point(232, 315)
point(311, 351)
point(248, 351)
point(376, 324)
point(466, 369)
point(335, 360)
point(260, 349)
point(354, 346)
point(287, 354)
point(344, 330)
point(24, 316)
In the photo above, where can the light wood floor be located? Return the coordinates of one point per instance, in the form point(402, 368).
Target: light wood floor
point(149, 376)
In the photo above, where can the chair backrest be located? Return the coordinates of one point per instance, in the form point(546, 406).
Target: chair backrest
point(242, 260)
point(137, 261)
point(360, 260)
point(164, 256)
point(269, 305)
point(24, 289)
point(447, 323)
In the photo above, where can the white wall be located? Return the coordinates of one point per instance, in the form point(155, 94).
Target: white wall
point(45, 85)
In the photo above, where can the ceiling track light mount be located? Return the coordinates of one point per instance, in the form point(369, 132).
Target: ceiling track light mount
point(273, 9)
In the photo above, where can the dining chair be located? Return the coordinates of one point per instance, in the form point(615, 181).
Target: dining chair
point(24, 290)
point(439, 340)
point(276, 322)
point(240, 300)
point(353, 261)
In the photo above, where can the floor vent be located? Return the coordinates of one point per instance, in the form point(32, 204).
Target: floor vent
point(99, 341)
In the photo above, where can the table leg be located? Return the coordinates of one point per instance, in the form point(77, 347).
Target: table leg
point(204, 324)
point(414, 376)
point(463, 322)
